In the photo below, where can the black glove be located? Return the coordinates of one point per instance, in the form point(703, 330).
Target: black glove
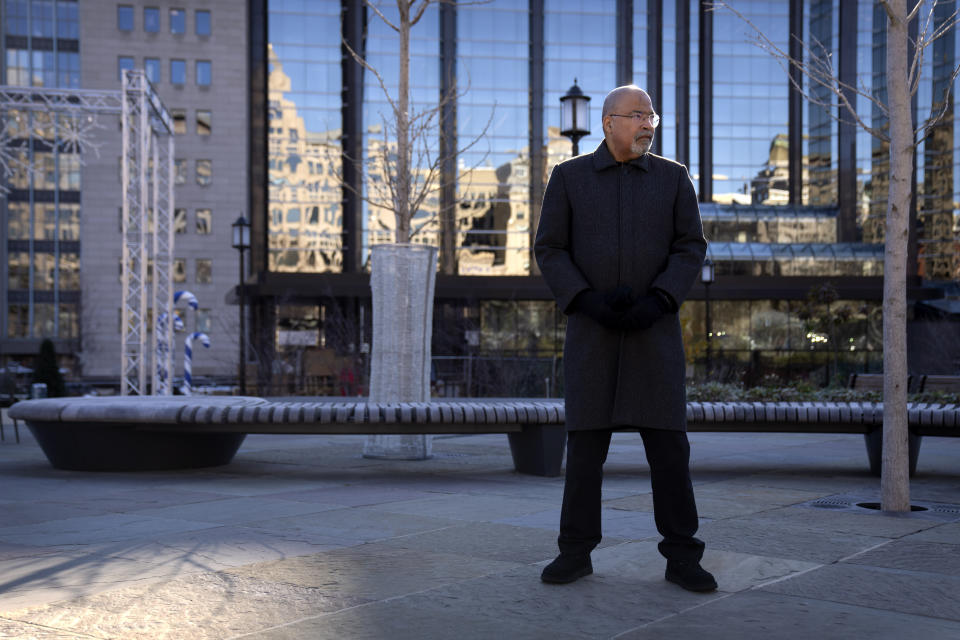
point(644, 312)
point(619, 299)
point(593, 304)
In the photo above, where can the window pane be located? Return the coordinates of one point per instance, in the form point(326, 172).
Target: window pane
point(68, 26)
point(178, 71)
point(18, 220)
point(203, 320)
point(44, 69)
point(69, 271)
point(204, 172)
point(203, 72)
point(16, 18)
point(123, 63)
point(42, 18)
point(179, 270)
point(179, 120)
point(18, 270)
point(152, 67)
point(178, 21)
point(43, 321)
point(69, 171)
point(204, 271)
point(151, 19)
point(69, 321)
point(180, 171)
point(203, 22)
point(204, 122)
point(204, 221)
point(17, 321)
point(179, 220)
point(125, 18)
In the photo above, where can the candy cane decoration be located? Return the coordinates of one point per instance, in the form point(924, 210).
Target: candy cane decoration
point(163, 348)
point(187, 297)
point(191, 301)
point(188, 358)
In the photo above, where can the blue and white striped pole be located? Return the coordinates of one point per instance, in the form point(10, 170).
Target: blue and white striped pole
point(188, 358)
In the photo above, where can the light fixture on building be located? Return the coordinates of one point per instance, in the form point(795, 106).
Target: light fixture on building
point(241, 242)
point(575, 116)
point(707, 273)
point(707, 276)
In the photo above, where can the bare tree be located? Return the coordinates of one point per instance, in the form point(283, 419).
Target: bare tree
point(406, 159)
point(903, 72)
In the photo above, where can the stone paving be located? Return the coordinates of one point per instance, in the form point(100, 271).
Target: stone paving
point(303, 538)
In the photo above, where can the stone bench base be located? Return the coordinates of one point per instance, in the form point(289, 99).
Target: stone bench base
point(88, 446)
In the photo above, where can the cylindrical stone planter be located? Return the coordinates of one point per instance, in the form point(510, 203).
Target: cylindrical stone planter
point(402, 281)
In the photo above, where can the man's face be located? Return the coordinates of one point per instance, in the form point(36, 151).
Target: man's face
point(626, 136)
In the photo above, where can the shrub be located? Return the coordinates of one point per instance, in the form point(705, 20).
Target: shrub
point(800, 392)
point(47, 370)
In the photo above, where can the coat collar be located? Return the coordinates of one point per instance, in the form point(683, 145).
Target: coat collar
point(603, 159)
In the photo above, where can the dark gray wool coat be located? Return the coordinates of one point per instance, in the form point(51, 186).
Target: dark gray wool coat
point(605, 224)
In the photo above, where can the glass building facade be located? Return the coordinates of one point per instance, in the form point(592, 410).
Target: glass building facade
point(42, 208)
point(792, 190)
point(513, 59)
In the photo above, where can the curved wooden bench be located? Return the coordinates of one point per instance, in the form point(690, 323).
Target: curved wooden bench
point(147, 432)
point(826, 417)
point(176, 432)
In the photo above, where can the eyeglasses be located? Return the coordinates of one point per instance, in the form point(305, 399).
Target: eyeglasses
point(639, 117)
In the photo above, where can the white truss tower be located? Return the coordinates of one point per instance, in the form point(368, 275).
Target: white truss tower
point(148, 204)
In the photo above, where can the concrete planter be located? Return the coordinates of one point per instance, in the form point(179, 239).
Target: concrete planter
point(402, 281)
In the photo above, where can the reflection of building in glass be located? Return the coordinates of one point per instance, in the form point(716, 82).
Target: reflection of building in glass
point(938, 244)
point(821, 182)
point(771, 184)
point(492, 217)
point(41, 210)
point(304, 173)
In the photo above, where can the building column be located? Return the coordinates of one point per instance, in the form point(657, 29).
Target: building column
point(625, 42)
point(257, 161)
point(683, 82)
point(847, 128)
point(448, 138)
point(795, 106)
point(537, 159)
point(354, 23)
point(706, 101)
point(654, 58)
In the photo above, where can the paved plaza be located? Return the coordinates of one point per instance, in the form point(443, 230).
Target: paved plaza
point(301, 537)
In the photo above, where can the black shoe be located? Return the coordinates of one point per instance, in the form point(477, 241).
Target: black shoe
point(690, 575)
point(567, 568)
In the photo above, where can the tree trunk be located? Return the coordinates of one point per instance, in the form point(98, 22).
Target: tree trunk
point(895, 479)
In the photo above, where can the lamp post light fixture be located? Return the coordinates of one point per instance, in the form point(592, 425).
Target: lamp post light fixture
point(575, 116)
point(241, 242)
point(707, 276)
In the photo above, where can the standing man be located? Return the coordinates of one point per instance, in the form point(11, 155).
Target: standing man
point(620, 243)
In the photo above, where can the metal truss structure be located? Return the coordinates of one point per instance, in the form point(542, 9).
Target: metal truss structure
point(70, 122)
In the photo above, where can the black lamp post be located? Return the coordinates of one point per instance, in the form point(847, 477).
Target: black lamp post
point(575, 116)
point(707, 276)
point(241, 242)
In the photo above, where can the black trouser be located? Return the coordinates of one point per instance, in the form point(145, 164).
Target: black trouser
point(674, 509)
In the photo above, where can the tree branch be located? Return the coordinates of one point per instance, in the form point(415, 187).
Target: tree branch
point(377, 11)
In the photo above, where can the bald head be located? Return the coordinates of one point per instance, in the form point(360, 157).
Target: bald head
point(628, 125)
point(615, 97)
